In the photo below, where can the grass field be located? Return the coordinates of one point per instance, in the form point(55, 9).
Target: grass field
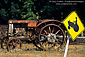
point(29, 50)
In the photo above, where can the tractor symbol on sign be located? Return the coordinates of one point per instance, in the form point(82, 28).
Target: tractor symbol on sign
point(73, 25)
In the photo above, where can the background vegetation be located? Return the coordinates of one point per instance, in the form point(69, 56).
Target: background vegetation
point(29, 9)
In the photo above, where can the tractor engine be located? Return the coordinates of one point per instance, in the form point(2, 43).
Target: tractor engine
point(22, 29)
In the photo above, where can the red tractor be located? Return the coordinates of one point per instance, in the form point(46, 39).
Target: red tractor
point(45, 34)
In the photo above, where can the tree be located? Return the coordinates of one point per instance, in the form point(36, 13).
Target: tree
point(27, 10)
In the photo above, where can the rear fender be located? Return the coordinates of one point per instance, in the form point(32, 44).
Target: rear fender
point(45, 22)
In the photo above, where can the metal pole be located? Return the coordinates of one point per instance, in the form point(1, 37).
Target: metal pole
point(82, 34)
point(66, 49)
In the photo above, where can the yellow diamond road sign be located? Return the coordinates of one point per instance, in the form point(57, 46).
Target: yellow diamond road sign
point(73, 24)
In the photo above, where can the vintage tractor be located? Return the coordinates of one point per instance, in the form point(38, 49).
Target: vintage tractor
point(45, 34)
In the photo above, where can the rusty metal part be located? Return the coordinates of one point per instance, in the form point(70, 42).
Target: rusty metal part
point(31, 23)
point(46, 21)
point(21, 21)
point(42, 23)
point(49, 37)
point(14, 43)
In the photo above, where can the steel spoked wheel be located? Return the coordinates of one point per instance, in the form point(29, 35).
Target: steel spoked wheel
point(14, 43)
point(51, 37)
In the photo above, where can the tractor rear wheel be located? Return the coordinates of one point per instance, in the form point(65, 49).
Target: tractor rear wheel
point(51, 37)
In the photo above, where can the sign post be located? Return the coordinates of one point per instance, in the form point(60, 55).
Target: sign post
point(66, 49)
point(74, 26)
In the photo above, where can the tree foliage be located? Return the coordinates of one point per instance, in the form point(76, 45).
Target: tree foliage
point(28, 10)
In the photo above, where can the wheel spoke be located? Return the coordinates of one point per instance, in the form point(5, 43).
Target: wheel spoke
point(43, 35)
point(53, 29)
point(45, 31)
point(52, 45)
point(17, 42)
point(49, 29)
point(10, 43)
point(12, 47)
point(45, 44)
point(59, 40)
point(58, 36)
point(57, 32)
